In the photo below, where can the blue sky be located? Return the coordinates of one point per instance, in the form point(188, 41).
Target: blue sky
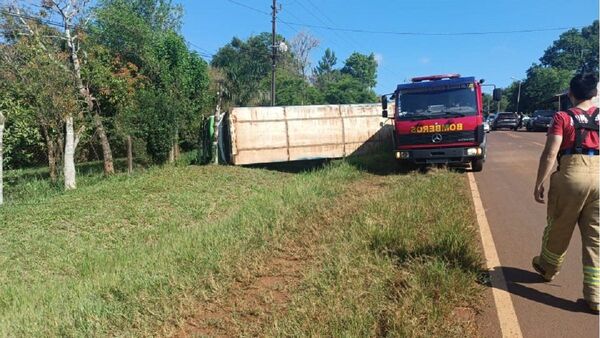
point(208, 25)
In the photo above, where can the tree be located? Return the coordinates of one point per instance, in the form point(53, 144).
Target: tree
point(74, 16)
point(346, 89)
point(245, 64)
point(2, 120)
point(184, 77)
point(151, 57)
point(574, 50)
point(35, 71)
point(326, 64)
point(541, 84)
point(293, 89)
point(301, 47)
point(362, 67)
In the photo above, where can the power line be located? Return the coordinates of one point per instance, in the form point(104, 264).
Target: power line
point(202, 51)
point(356, 30)
point(29, 17)
point(366, 31)
point(346, 37)
point(249, 7)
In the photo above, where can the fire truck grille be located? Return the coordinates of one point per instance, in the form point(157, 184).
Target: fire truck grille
point(433, 138)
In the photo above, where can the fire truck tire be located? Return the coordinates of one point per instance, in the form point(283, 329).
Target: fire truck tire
point(477, 165)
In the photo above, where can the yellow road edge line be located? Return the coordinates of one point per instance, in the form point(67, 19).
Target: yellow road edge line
point(509, 324)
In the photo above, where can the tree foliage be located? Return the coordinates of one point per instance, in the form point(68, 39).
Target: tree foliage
point(363, 68)
point(327, 63)
point(246, 70)
point(541, 84)
point(134, 55)
point(573, 52)
point(245, 64)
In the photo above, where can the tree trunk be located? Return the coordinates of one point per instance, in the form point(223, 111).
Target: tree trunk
point(60, 150)
point(52, 162)
point(173, 151)
point(176, 145)
point(172, 154)
point(69, 161)
point(51, 152)
point(2, 120)
point(109, 168)
point(129, 155)
point(89, 100)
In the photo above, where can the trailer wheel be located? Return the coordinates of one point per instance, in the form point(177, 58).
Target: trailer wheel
point(477, 165)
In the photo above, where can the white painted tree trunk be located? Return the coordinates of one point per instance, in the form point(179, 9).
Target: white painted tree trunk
point(69, 159)
point(89, 100)
point(2, 119)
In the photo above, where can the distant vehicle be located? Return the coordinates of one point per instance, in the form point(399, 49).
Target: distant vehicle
point(506, 120)
point(486, 126)
point(540, 120)
point(490, 118)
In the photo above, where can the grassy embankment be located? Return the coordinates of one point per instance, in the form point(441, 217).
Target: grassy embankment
point(142, 255)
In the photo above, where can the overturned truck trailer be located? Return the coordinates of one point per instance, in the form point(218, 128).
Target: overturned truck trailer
point(292, 133)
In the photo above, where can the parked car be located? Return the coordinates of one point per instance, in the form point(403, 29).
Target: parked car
point(505, 120)
point(540, 120)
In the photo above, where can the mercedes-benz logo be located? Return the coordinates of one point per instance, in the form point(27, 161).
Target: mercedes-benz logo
point(436, 138)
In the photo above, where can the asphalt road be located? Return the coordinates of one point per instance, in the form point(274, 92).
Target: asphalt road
point(506, 183)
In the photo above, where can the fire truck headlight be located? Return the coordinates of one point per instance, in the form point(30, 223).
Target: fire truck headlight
point(402, 155)
point(474, 151)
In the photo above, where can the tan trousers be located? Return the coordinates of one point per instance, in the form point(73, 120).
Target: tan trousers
point(573, 199)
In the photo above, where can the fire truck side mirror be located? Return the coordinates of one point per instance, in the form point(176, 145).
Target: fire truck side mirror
point(384, 102)
point(497, 95)
point(384, 106)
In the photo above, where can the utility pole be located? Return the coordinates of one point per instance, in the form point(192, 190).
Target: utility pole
point(490, 101)
point(273, 52)
point(519, 93)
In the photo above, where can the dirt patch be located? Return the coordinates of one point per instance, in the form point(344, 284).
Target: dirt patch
point(464, 314)
point(265, 288)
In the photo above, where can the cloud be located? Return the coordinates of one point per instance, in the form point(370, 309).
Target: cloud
point(425, 60)
point(378, 58)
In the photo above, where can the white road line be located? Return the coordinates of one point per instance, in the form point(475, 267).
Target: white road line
point(509, 324)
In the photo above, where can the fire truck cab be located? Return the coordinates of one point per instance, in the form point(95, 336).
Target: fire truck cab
point(438, 119)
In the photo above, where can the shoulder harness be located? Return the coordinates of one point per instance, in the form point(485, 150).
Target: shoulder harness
point(583, 129)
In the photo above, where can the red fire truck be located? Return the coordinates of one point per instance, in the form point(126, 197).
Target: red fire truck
point(438, 119)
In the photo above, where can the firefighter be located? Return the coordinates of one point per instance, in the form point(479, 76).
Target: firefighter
point(520, 124)
point(573, 196)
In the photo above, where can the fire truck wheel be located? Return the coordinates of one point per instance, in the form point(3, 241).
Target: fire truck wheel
point(477, 165)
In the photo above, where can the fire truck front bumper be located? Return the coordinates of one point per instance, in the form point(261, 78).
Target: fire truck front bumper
point(458, 155)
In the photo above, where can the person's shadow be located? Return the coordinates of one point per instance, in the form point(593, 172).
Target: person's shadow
point(516, 279)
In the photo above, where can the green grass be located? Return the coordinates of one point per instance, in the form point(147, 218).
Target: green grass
point(133, 255)
point(400, 267)
point(32, 185)
point(120, 256)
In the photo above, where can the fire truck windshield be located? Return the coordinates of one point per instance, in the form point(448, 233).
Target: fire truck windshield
point(437, 104)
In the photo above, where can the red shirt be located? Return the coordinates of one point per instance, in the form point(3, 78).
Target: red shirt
point(562, 125)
